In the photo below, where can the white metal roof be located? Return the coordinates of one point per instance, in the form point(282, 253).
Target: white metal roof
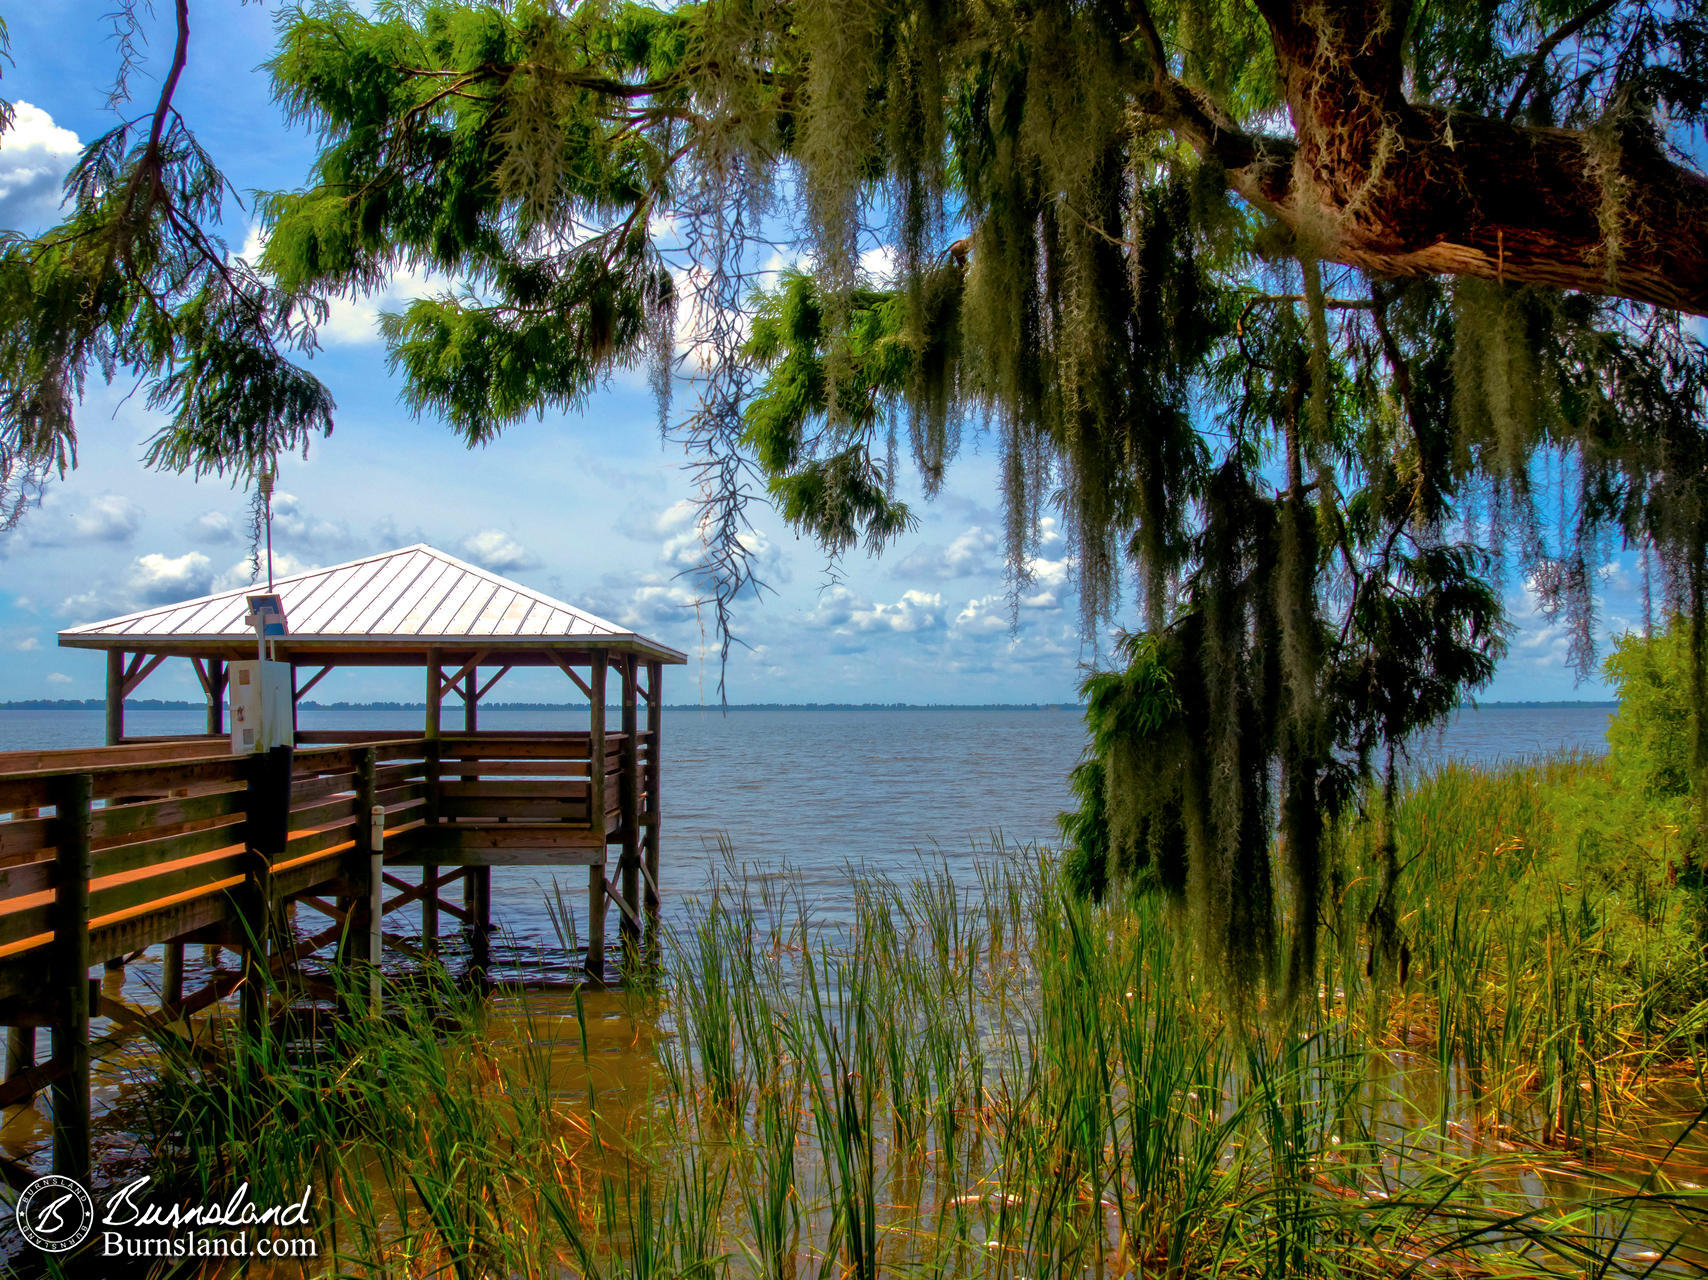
point(413, 597)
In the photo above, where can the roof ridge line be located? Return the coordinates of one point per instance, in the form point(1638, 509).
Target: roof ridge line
point(206, 616)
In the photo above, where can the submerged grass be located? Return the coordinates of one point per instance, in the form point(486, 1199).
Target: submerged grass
point(1004, 1081)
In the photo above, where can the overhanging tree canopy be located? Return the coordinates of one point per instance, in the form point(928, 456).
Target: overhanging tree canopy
point(1303, 315)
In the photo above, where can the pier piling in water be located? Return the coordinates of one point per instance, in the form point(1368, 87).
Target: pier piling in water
point(108, 851)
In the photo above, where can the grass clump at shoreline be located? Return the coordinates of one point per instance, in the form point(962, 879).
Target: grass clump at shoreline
point(1005, 1080)
point(1556, 963)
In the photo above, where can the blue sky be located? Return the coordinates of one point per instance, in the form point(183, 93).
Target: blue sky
point(591, 506)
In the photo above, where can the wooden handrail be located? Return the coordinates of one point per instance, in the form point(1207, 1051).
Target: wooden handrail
point(105, 851)
point(174, 827)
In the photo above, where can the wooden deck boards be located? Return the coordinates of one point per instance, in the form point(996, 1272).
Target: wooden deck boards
point(168, 845)
point(105, 852)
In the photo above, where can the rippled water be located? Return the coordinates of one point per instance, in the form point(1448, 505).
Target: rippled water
point(815, 791)
point(808, 791)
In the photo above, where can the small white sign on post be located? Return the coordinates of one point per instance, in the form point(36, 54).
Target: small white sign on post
point(260, 706)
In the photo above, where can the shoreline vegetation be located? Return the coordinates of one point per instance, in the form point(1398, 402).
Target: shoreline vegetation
point(1040, 1069)
point(1006, 1079)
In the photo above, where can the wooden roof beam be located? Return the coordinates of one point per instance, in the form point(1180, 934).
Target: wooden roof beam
point(317, 678)
point(570, 672)
point(448, 685)
point(139, 671)
point(485, 688)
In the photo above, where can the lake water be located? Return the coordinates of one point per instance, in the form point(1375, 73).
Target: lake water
point(805, 792)
point(813, 791)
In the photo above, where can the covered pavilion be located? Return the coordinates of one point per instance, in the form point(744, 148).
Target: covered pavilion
point(164, 841)
point(413, 607)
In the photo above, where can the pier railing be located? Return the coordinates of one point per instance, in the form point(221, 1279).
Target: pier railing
point(107, 851)
point(166, 830)
point(167, 827)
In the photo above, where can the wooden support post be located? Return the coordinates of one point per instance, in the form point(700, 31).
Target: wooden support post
point(596, 923)
point(596, 802)
point(478, 887)
point(267, 820)
point(20, 1057)
point(217, 676)
point(20, 1050)
point(376, 911)
point(172, 978)
point(115, 697)
point(71, 799)
point(302, 691)
point(473, 876)
point(358, 949)
point(429, 874)
point(628, 800)
point(171, 991)
point(435, 677)
point(430, 907)
point(596, 740)
point(655, 740)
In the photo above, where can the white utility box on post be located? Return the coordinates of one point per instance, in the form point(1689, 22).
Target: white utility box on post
point(260, 706)
point(263, 704)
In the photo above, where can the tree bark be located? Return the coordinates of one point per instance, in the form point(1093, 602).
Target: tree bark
point(1399, 189)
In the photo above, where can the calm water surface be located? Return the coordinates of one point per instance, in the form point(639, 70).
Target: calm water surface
point(812, 792)
point(807, 792)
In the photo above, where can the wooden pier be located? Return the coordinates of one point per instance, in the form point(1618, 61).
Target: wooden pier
point(331, 847)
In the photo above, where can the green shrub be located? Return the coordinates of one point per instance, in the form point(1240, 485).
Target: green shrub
point(1653, 742)
point(1651, 736)
point(1085, 833)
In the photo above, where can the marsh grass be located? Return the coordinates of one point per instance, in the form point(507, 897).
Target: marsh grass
point(1002, 1080)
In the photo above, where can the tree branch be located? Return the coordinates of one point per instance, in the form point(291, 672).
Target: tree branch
point(180, 55)
point(1146, 26)
point(1539, 59)
point(1396, 189)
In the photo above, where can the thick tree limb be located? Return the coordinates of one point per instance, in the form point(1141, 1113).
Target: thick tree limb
point(1373, 181)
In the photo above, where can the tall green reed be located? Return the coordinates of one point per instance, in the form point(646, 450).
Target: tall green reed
point(995, 1080)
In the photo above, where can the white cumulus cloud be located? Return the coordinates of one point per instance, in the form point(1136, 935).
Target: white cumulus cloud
point(154, 578)
point(298, 528)
point(975, 550)
point(157, 578)
point(70, 521)
point(983, 616)
point(1049, 574)
point(212, 526)
point(915, 611)
point(108, 517)
point(683, 550)
point(35, 154)
point(650, 604)
point(496, 550)
point(242, 573)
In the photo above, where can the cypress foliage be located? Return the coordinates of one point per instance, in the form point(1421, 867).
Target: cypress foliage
point(1307, 481)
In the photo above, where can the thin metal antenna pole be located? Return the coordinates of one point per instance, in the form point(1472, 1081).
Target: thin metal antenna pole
point(267, 511)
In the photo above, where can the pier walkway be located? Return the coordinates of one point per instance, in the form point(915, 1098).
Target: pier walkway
point(312, 849)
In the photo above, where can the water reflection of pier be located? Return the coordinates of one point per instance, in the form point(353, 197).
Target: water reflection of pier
point(108, 851)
